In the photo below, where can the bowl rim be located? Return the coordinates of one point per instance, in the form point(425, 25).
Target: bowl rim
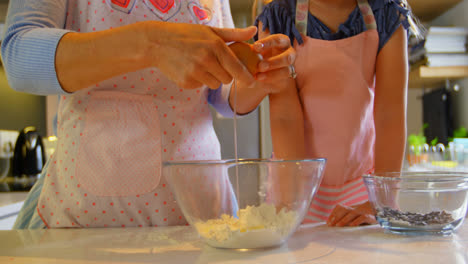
point(418, 176)
point(240, 161)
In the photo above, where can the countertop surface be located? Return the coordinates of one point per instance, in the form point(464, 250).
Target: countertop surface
point(310, 244)
point(10, 205)
point(7, 198)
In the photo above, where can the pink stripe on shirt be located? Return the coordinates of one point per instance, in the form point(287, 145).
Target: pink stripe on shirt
point(339, 198)
point(349, 194)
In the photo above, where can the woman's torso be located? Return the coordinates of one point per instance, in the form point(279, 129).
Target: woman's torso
point(106, 170)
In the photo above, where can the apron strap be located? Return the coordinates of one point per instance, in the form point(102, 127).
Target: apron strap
point(367, 14)
point(302, 12)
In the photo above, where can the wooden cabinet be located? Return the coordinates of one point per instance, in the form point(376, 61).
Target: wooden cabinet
point(435, 76)
point(427, 10)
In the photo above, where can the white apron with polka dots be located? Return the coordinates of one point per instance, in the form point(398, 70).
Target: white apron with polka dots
point(113, 137)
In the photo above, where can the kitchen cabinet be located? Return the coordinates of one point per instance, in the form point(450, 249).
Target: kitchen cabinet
point(312, 243)
point(424, 76)
point(427, 10)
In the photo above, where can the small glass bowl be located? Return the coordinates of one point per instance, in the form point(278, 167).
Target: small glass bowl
point(419, 203)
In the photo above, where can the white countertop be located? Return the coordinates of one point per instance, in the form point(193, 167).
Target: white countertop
point(310, 244)
point(10, 205)
point(8, 198)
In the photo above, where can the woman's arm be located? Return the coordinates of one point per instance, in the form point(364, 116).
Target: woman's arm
point(32, 32)
point(390, 103)
point(190, 55)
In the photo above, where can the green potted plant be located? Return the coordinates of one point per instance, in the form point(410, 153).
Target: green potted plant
point(460, 136)
point(417, 143)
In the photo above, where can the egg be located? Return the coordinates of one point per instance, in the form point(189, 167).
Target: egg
point(246, 54)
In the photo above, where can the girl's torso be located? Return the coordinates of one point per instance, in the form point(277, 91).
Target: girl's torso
point(335, 79)
point(336, 84)
point(335, 64)
point(332, 13)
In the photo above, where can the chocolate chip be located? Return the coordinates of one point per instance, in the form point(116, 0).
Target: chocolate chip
point(416, 219)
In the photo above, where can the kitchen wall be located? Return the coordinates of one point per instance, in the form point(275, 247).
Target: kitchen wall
point(18, 110)
point(248, 130)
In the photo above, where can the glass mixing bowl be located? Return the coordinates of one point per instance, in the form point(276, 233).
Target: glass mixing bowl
point(414, 203)
point(246, 204)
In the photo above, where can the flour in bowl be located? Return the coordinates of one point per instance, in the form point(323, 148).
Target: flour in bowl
point(256, 227)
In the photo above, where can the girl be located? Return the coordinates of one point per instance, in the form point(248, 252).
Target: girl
point(352, 83)
point(133, 77)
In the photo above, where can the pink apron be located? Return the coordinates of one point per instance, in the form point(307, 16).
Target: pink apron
point(114, 136)
point(336, 85)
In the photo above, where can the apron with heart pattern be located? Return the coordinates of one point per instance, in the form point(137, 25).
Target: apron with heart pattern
point(114, 136)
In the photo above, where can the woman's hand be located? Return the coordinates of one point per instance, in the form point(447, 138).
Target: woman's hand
point(189, 55)
point(352, 215)
point(194, 55)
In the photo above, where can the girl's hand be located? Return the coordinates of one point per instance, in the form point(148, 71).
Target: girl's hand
point(196, 55)
point(272, 72)
point(278, 55)
point(352, 215)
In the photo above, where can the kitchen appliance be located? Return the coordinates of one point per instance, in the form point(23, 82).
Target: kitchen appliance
point(28, 159)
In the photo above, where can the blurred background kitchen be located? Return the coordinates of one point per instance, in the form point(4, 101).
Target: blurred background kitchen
point(437, 114)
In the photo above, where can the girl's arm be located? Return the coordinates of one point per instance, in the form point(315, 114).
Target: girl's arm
point(287, 134)
point(390, 103)
point(286, 116)
point(272, 71)
point(287, 124)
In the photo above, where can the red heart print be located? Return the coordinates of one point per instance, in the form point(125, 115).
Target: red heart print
point(163, 5)
point(300, 16)
point(200, 13)
point(303, 7)
point(125, 6)
point(121, 3)
point(164, 9)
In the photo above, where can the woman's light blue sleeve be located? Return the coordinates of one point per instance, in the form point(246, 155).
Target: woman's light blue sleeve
point(219, 99)
point(33, 30)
